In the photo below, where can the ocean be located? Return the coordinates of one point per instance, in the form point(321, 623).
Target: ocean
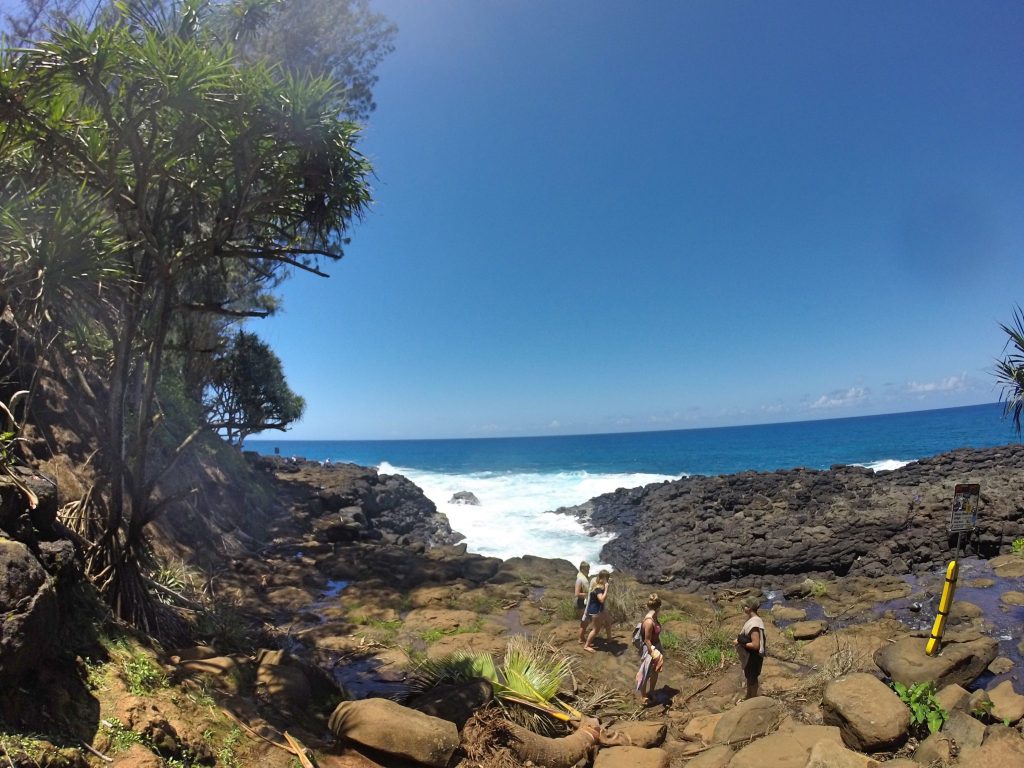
point(519, 479)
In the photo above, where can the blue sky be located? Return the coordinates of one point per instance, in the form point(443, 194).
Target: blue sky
point(605, 216)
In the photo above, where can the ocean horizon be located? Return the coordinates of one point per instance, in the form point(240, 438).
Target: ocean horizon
point(519, 480)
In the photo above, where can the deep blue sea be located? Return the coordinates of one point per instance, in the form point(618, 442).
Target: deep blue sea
point(518, 479)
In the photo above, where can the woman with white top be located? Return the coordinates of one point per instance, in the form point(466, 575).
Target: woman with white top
point(750, 645)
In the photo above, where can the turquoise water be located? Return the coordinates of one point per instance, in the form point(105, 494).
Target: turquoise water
point(518, 480)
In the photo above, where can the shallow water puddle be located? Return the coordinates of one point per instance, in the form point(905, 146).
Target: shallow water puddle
point(917, 610)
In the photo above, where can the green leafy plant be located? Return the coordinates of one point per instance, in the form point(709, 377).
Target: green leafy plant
point(670, 641)
point(527, 680)
point(227, 755)
point(142, 675)
point(925, 710)
point(1018, 546)
point(121, 736)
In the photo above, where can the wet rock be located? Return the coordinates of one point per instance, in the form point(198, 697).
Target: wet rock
point(1001, 666)
point(1008, 566)
point(464, 497)
point(807, 630)
point(786, 613)
point(1012, 597)
point(869, 715)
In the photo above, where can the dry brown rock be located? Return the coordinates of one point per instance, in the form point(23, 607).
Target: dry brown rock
point(716, 757)
point(960, 662)
point(786, 749)
point(631, 757)
point(383, 725)
point(1007, 704)
point(748, 719)
point(826, 754)
point(786, 613)
point(640, 733)
point(702, 728)
point(952, 697)
point(807, 630)
point(937, 748)
point(870, 716)
point(968, 732)
point(1003, 748)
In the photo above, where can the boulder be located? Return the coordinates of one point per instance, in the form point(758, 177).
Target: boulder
point(716, 757)
point(1007, 704)
point(789, 749)
point(224, 673)
point(640, 733)
point(869, 715)
point(959, 662)
point(631, 757)
point(285, 686)
point(1012, 597)
point(1003, 748)
point(807, 630)
point(937, 749)
point(786, 613)
point(464, 497)
point(702, 728)
point(968, 732)
point(749, 719)
point(825, 754)
point(30, 611)
point(952, 697)
point(383, 725)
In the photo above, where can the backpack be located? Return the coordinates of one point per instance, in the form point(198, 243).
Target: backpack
point(638, 637)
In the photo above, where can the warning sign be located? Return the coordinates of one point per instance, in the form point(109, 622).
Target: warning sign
point(965, 507)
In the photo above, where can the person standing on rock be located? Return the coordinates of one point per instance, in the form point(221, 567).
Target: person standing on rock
point(596, 614)
point(652, 658)
point(582, 589)
point(750, 645)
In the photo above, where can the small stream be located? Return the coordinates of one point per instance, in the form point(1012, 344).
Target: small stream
point(917, 610)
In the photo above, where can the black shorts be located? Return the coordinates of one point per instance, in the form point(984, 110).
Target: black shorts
point(581, 603)
point(752, 669)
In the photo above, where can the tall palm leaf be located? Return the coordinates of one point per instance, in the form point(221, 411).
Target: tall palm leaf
point(1010, 370)
point(530, 675)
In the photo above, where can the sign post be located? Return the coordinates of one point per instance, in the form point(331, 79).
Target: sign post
point(963, 519)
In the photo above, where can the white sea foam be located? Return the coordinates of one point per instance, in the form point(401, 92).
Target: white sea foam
point(512, 518)
point(884, 464)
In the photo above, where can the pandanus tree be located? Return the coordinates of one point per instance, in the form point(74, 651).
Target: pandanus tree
point(1010, 370)
point(188, 180)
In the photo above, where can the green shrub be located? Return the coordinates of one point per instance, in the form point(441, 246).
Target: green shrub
point(142, 675)
point(121, 736)
point(1018, 546)
point(925, 710)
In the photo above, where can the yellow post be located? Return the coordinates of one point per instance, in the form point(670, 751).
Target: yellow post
point(945, 603)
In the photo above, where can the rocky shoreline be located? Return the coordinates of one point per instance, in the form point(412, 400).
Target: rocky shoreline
point(766, 528)
point(358, 580)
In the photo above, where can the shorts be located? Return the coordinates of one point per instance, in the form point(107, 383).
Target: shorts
point(752, 669)
point(581, 603)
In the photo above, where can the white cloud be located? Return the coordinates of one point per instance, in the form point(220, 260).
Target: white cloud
point(555, 424)
point(948, 384)
point(841, 398)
